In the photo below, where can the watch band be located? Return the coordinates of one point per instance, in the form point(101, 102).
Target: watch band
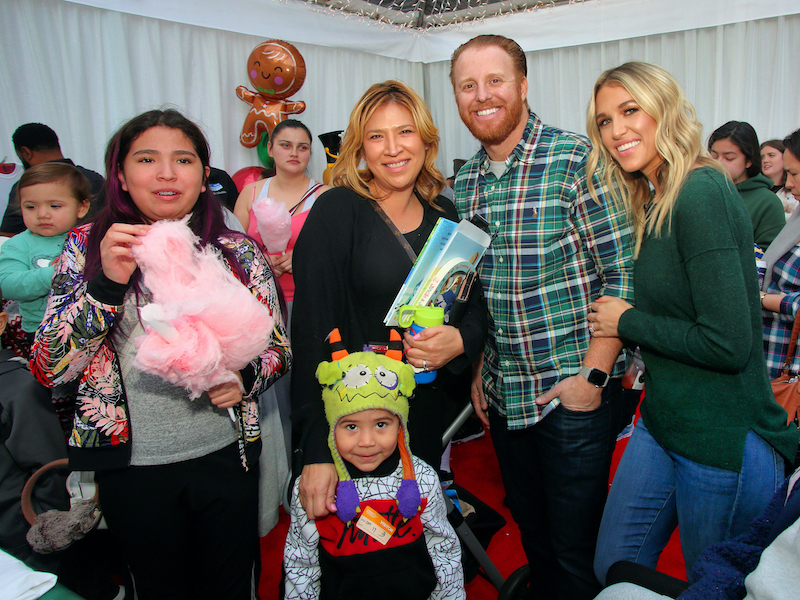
point(594, 376)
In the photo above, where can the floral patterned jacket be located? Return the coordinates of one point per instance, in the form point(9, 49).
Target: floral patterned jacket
point(72, 342)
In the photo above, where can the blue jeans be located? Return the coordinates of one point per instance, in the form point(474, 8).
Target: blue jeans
point(655, 490)
point(555, 474)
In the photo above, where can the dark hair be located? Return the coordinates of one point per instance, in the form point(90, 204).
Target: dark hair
point(50, 172)
point(744, 136)
point(511, 47)
point(207, 220)
point(292, 124)
point(777, 144)
point(35, 136)
point(792, 143)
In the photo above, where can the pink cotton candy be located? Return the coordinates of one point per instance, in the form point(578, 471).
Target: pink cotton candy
point(274, 223)
point(217, 326)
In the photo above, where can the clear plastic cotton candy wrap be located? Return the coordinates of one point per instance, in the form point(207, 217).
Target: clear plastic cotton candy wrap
point(274, 223)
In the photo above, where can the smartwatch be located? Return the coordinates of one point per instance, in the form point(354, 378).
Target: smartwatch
point(596, 377)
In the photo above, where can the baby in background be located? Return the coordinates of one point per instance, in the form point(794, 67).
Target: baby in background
point(53, 196)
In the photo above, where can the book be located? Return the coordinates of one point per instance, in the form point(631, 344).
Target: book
point(451, 252)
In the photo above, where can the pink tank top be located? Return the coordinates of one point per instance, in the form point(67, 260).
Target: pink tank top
point(298, 219)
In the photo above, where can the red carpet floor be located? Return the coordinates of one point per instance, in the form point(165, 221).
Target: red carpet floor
point(475, 468)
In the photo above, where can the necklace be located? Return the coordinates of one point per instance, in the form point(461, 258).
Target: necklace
point(405, 220)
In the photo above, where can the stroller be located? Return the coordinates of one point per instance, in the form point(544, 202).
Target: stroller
point(486, 522)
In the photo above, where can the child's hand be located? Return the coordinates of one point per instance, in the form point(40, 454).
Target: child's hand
point(115, 250)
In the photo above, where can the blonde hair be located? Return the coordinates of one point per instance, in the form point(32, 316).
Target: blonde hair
point(345, 171)
point(677, 141)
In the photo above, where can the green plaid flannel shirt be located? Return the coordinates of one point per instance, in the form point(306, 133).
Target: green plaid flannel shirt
point(555, 250)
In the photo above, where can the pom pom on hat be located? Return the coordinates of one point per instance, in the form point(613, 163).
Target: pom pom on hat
point(408, 498)
point(347, 503)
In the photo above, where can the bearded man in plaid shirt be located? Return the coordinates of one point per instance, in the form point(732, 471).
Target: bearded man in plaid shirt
point(551, 393)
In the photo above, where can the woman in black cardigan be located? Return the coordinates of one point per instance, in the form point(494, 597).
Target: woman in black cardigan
point(349, 264)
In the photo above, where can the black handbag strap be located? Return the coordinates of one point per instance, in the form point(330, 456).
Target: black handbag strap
point(792, 346)
point(310, 192)
point(400, 237)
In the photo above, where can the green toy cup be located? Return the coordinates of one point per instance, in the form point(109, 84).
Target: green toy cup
point(418, 318)
point(423, 316)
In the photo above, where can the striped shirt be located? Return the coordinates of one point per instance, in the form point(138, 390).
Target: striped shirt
point(555, 249)
point(778, 326)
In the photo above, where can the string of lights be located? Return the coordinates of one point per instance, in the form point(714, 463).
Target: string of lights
point(421, 16)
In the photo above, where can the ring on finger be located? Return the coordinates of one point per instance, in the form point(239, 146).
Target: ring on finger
point(591, 329)
point(424, 365)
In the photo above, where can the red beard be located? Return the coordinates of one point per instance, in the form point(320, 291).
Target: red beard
point(491, 135)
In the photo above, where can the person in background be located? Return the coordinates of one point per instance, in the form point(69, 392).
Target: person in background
point(177, 478)
point(772, 167)
point(35, 144)
point(711, 446)
point(780, 290)
point(351, 260)
point(54, 197)
point(549, 391)
point(735, 147)
point(290, 148)
point(30, 437)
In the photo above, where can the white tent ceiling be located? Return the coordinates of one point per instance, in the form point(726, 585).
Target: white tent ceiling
point(562, 25)
point(86, 66)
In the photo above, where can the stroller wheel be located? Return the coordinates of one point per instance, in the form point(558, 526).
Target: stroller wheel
point(516, 585)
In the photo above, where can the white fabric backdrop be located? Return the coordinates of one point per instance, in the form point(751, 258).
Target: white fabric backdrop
point(743, 72)
point(575, 24)
point(84, 71)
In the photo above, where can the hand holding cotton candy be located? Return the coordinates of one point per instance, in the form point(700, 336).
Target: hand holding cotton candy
point(274, 224)
point(203, 323)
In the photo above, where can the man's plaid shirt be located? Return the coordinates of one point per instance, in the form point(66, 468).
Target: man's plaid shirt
point(555, 250)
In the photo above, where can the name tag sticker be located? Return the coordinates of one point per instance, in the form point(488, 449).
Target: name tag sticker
point(374, 525)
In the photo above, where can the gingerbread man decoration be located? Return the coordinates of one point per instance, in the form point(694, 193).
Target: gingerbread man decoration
point(277, 70)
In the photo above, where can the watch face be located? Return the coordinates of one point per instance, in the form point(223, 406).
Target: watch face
point(595, 376)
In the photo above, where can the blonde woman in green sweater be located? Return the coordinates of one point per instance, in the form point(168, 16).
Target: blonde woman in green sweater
point(710, 449)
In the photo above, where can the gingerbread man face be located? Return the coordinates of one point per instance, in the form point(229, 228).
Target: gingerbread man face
point(276, 69)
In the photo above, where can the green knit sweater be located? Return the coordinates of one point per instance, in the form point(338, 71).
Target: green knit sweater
point(698, 322)
point(764, 207)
